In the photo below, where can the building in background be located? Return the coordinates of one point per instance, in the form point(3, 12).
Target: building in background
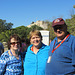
point(39, 23)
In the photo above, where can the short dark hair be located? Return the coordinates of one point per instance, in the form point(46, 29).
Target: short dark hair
point(16, 37)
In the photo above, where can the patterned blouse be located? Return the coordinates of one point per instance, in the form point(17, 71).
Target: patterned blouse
point(9, 65)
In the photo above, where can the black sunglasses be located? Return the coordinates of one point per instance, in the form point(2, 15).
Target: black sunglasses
point(13, 43)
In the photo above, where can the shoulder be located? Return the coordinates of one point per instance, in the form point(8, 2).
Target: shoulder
point(29, 47)
point(4, 58)
point(1, 44)
point(45, 47)
point(5, 55)
point(52, 42)
point(71, 42)
point(71, 39)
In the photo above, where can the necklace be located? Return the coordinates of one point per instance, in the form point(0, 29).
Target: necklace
point(12, 54)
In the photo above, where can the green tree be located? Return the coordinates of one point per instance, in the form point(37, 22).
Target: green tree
point(22, 31)
point(73, 6)
point(71, 25)
point(35, 27)
point(5, 26)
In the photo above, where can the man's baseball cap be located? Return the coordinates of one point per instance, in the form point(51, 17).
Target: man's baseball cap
point(58, 21)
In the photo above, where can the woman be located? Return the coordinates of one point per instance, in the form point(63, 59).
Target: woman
point(36, 55)
point(10, 61)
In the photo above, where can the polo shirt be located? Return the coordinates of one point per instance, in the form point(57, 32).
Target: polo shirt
point(63, 58)
point(35, 64)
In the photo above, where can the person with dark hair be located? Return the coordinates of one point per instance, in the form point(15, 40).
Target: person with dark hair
point(61, 59)
point(27, 43)
point(36, 55)
point(10, 61)
point(1, 48)
point(23, 47)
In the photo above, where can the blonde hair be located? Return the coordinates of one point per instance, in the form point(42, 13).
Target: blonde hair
point(35, 32)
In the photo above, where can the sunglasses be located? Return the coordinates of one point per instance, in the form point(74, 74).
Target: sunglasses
point(13, 43)
point(58, 27)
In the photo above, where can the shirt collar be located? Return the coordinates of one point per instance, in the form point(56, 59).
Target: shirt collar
point(42, 47)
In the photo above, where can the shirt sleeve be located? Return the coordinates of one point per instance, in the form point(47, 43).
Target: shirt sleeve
point(2, 66)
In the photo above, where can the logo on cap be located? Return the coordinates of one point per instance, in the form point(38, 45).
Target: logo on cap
point(57, 20)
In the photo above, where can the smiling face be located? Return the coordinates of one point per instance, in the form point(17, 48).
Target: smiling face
point(14, 44)
point(60, 31)
point(35, 40)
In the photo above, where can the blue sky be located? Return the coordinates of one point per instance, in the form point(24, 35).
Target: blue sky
point(23, 12)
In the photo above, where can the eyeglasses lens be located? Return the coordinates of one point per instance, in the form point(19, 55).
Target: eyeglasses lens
point(13, 43)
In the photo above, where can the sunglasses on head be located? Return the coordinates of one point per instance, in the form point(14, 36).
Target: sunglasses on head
point(13, 43)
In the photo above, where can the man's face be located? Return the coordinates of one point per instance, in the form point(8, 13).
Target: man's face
point(14, 44)
point(35, 40)
point(60, 31)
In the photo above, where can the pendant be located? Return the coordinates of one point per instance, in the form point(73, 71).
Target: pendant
point(49, 59)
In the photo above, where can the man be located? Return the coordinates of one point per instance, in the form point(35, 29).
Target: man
point(61, 59)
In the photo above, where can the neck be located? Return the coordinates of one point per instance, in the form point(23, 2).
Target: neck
point(61, 38)
point(36, 49)
point(39, 46)
point(14, 52)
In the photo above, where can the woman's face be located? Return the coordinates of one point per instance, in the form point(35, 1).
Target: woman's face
point(14, 44)
point(35, 40)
